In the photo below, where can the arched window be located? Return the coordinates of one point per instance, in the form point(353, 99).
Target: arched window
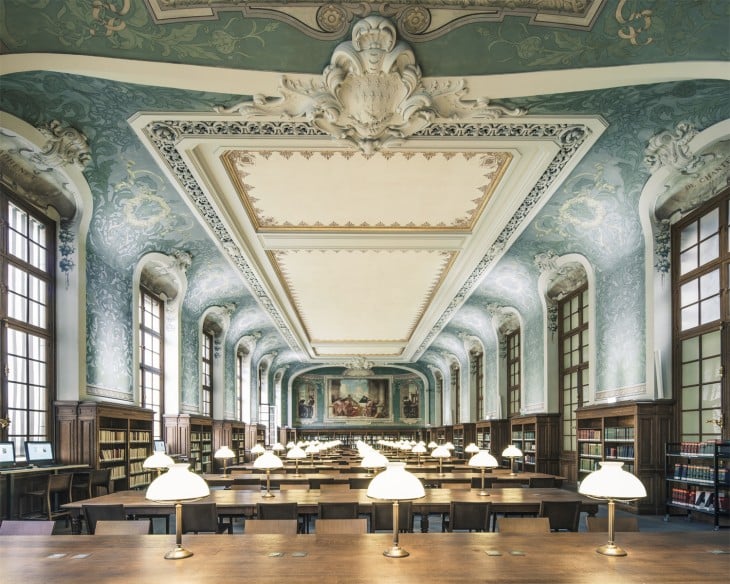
point(456, 391)
point(476, 370)
point(27, 256)
point(701, 309)
point(151, 356)
point(206, 373)
point(514, 372)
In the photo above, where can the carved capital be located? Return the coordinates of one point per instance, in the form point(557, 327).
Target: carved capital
point(672, 149)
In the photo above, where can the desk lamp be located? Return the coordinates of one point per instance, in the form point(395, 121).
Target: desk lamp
point(431, 445)
point(258, 450)
point(471, 449)
point(224, 453)
point(158, 460)
point(290, 445)
point(267, 461)
point(296, 454)
point(178, 484)
point(311, 450)
point(395, 484)
point(512, 452)
point(374, 460)
point(419, 449)
point(441, 452)
point(482, 459)
point(612, 483)
point(278, 447)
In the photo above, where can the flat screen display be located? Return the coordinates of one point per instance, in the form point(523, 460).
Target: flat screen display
point(7, 453)
point(38, 452)
point(160, 446)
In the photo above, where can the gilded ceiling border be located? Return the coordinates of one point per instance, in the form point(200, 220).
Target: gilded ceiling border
point(416, 21)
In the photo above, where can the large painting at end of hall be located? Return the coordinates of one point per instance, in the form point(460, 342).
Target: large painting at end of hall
point(358, 399)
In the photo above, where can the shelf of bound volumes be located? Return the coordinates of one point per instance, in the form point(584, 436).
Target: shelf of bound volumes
point(698, 479)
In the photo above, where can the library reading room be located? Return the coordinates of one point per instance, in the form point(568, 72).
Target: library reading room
point(361, 292)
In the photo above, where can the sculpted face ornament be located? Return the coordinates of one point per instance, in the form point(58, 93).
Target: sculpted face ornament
point(371, 94)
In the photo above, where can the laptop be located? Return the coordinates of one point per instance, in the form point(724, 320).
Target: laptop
point(39, 453)
point(7, 455)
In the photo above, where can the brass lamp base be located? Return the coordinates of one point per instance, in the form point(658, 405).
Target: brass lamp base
point(483, 493)
point(396, 552)
point(267, 495)
point(611, 549)
point(178, 553)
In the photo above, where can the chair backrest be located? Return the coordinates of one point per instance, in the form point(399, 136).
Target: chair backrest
point(563, 515)
point(248, 481)
point(381, 516)
point(294, 487)
point(99, 478)
point(600, 524)
point(277, 511)
point(542, 482)
point(472, 516)
point(200, 517)
point(343, 510)
point(476, 482)
point(360, 482)
point(315, 483)
point(139, 527)
point(94, 513)
point(506, 485)
point(9, 527)
point(327, 526)
point(245, 487)
point(282, 526)
point(60, 483)
point(523, 525)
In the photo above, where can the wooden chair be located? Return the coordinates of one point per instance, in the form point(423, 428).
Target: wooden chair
point(122, 527)
point(344, 510)
point(329, 526)
point(476, 482)
point(94, 513)
point(9, 527)
point(600, 524)
point(277, 511)
point(58, 486)
point(381, 517)
point(202, 517)
point(318, 482)
point(497, 484)
point(280, 526)
point(524, 525)
point(98, 479)
point(294, 487)
point(468, 516)
point(542, 483)
point(359, 482)
point(563, 515)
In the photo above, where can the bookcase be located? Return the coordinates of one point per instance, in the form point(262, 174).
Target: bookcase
point(440, 434)
point(537, 436)
point(492, 435)
point(698, 479)
point(191, 437)
point(463, 435)
point(350, 436)
point(255, 434)
point(229, 433)
point(106, 435)
point(238, 442)
point(633, 433)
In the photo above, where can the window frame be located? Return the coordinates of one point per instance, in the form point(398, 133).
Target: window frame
point(144, 366)
point(513, 344)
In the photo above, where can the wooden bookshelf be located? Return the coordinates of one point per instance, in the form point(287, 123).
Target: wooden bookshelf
point(633, 433)
point(106, 435)
point(538, 437)
point(463, 435)
point(229, 433)
point(492, 435)
point(191, 437)
point(350, 436)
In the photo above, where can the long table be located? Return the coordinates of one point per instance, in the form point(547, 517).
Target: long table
point(243, 503)
point(358, 559)
point(15, 481)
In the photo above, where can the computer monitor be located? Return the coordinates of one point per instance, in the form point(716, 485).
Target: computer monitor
point(39, 452)
point(7, 453)
point(160, 446)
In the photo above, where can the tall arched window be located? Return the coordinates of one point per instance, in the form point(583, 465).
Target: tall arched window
point(514, 372)
point(206, 373)
point(151, 361)
point(26, 309)
point(476, 369)
point(456, 391)
point(700, 283)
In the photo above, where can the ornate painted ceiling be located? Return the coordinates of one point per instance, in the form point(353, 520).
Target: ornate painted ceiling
point(359, 179)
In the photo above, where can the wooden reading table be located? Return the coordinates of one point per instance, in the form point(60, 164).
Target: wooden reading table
point(352, 559)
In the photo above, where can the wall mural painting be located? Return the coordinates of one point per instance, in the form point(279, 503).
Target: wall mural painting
point(410, 401)
point(358, 399)
point(307, 403)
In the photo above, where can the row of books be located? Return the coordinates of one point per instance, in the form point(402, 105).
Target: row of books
point(106, 454)
point(701, 472)
point(700, 499)
point(140, 435)
point(588, 434)
point(697, 447)
point(590, 449)
point(616, 433)
point(623, 451)
point(112, 435)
